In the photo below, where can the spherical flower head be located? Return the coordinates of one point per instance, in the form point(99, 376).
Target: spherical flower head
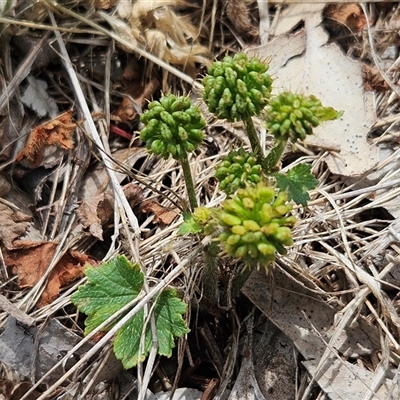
point(173, 127)
point(237, 87)
point(238, 170)
point(256, 224)
point(293, 116)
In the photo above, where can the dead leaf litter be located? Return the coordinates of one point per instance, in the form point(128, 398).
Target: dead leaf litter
point(78, 187)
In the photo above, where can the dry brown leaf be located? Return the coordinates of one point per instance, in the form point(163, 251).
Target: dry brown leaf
point(94, 212)
point(162, 214)
point(14, 224)
point(346, 16)
point(373, 79)
point(57, 132)
point(30, 260)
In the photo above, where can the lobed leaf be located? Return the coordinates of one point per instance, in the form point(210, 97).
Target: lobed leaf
point(113, 285)
point(297, 182)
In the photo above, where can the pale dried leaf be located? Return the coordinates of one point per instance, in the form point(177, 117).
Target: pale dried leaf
point(291, 17)
point(336, 80)
point(96, 211)
point(309, 322)
point(345, 381)
point(36, 97)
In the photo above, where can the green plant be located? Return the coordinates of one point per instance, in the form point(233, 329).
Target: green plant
point(253, 224)
point(110, 287)
point(238, 169)
point(256, 224)
point(291, 117)
point(238, 88)
point(173, 128)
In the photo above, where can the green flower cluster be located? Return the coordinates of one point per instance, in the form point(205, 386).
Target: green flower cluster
point(237, 87)
point(293, 116)
point(173, 126)
point(256, 224)
point(238, 169)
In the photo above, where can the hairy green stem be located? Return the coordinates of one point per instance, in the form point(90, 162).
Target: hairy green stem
point(187, 174)
point(211, 273)
point(274, 156)
point(254, 141)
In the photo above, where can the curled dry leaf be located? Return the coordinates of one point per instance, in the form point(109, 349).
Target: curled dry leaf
point(30, 260)
point(162, 214)
point(138, 95)
point(373, 79)
point(14, 224)
point(94, 212)
point(57, 132)
point(348, 16)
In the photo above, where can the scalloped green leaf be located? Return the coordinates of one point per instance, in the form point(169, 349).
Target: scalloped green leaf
point(298, 181)
point(110, 287)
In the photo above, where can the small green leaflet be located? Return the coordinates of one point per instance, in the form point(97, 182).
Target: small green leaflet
point(189, 225)
point(110, 287)
point(297, 182)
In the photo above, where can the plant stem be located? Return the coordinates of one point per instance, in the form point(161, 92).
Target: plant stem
point(274, 156)
point(211, 273)
point(187, 174)
point(254, 141)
